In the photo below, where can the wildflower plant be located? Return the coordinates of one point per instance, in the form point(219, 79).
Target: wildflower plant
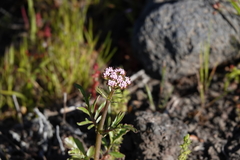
point(185, 151)
point(204, 77)
point(109, 131)
point(232, 76)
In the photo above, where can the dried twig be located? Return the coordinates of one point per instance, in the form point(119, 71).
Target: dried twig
point(45, 125)
point(65, 106)
point(60, 140)
point(139, 83)
point(19, 114)
point(172, 104)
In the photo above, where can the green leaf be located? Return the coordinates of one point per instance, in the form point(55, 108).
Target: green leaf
point(94, 104)
point(90, 127)
point(118, 119)
point(22, 70)
point(76, 153)
point(33, 26)
point(101, 92)
point(150, 98)
point(109, 121)
point(70, 142)
point(84, 110)
point(79, 145)
point(106, 54)
point(117, 154)
point(83, 93)
point(44, 63)
point(111, 136)
point(99, 118)
point(118, 137)
point(130, 127)
point(9, 93)
point(84, 122)
point(122, 130)
point(104, 142)
point(91, 151)
point(75, 146)
point(99, 110)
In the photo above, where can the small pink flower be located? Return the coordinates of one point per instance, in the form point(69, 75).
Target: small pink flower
point(123, 85)
point(120, 71)
point(107, 72)
point(105, 75)
point(109, 69)
point(127, 80)
point(111, 83)
point(114, 75)
point(116, 78)
point(119, 79)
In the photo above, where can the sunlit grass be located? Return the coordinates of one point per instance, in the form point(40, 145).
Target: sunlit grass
point(42, 68)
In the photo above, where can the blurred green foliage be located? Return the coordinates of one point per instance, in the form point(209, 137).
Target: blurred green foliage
point(185, 151)
point(232, 76)
point(119, 102)
point(58, 50)
point(236, 5)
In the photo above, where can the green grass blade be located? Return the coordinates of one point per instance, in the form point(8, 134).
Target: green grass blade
point(10, 93)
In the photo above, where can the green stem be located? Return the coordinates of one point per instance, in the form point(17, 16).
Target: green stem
point(100, 127)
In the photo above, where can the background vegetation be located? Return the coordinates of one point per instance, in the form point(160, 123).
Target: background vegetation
point(58, 48)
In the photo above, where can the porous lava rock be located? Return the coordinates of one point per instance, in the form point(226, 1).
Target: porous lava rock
point(158, 137)
point(171, 34)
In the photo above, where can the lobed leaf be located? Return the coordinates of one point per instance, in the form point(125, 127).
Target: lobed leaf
point(130, 127)
point(118, 119)
point(76, 153)
point(119, 135)
point(111, 137)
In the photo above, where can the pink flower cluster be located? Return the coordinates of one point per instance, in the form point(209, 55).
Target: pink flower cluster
point(116, 78)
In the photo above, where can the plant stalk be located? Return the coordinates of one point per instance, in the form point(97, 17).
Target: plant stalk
point(100, 127)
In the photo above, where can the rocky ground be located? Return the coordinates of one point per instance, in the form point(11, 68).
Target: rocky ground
point(213, 127)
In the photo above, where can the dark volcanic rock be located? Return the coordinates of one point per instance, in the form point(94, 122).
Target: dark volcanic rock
point(174, 33)
point(232, 148)
point(159, 136)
